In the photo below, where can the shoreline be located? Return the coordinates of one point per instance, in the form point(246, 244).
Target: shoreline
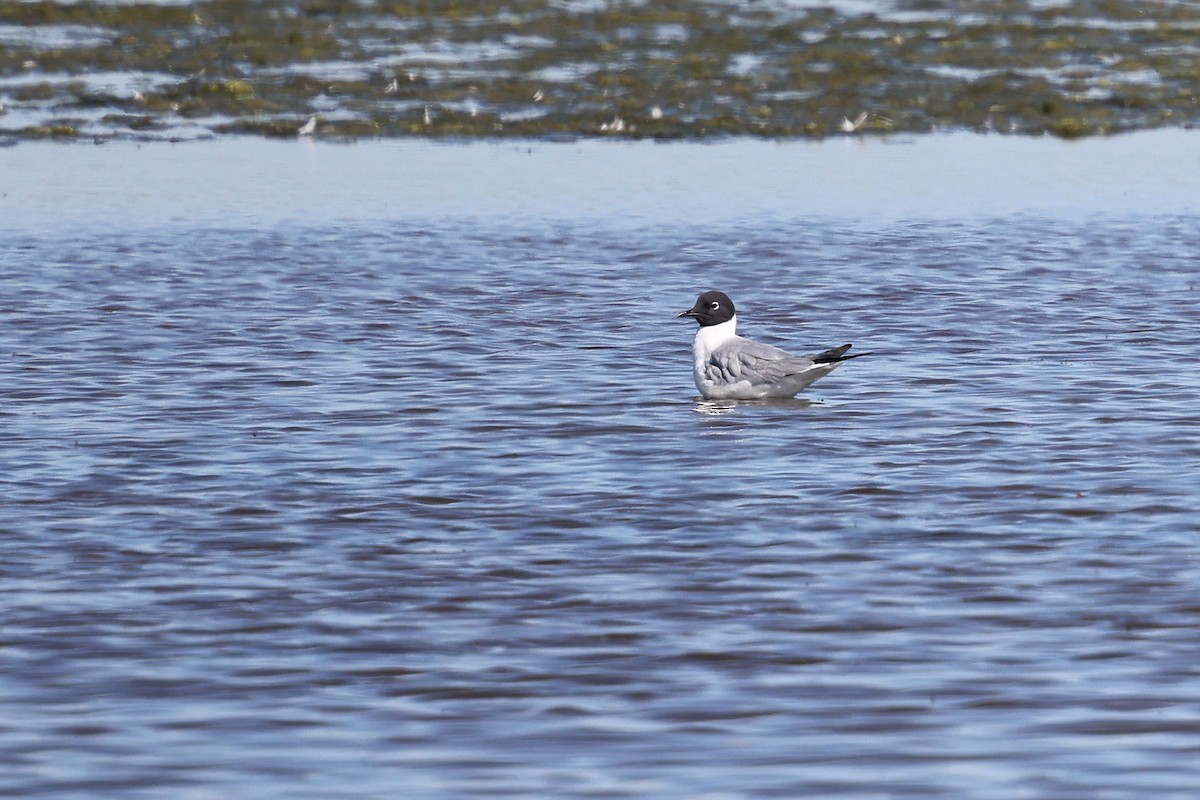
point(379, 68)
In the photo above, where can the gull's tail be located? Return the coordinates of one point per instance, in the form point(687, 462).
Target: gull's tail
point(835, 355)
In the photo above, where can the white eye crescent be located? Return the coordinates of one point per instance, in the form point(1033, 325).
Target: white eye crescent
point(714, 305)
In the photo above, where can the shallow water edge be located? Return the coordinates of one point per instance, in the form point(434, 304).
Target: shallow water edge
point(244, 180)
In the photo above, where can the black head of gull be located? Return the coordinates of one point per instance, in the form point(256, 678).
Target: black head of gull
point(712, 308)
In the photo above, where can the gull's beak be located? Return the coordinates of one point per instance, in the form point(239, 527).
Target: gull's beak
point(691, 312)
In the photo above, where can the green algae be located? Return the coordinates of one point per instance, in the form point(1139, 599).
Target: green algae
point(670, 69)
point(57, 130)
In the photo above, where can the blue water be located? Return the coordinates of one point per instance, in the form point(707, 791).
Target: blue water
point(424, 505)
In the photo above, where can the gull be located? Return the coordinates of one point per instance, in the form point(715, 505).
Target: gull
point(856, 125)
point(731, 367)
point(616, 126)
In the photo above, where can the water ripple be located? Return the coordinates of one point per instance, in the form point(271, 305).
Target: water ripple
point(363, 508)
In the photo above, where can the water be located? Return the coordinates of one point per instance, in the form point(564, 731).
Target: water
point(321, 495)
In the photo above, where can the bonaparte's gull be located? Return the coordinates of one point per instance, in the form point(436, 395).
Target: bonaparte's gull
point(730, 367)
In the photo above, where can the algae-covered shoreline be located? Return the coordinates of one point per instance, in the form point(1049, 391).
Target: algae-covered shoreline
point(567, 68)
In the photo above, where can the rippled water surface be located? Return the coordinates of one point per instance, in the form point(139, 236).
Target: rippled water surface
point(425, 506)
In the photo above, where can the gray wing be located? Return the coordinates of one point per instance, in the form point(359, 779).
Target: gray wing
point(746, 360)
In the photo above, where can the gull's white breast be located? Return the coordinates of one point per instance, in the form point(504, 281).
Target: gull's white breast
point(707, 340)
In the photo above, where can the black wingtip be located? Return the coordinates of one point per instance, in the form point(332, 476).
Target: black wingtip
point(835, 355)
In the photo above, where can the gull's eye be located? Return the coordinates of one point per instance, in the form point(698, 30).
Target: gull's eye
point(714, 305)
